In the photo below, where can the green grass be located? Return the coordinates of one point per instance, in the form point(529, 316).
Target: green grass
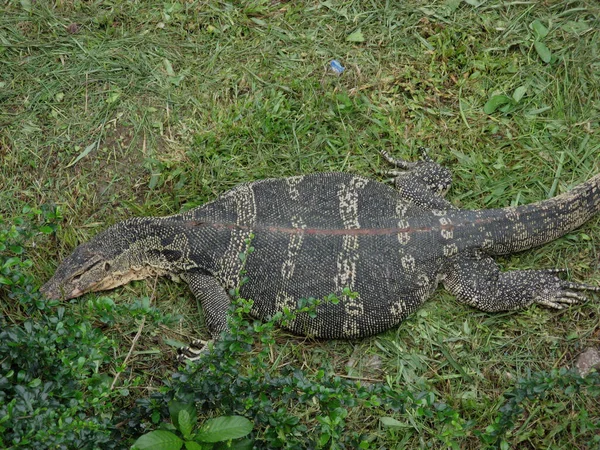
point(117, 109)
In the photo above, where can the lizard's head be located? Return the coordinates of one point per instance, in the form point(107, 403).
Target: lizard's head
point(93, 266)
point(110, 259)
point(134, 249)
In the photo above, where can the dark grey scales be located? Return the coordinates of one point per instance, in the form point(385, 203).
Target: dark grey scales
point(317, 234)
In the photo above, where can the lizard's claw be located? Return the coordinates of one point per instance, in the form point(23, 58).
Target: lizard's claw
point(407, 165)
point(557, 293)
point(424, 151)
point(193, 351)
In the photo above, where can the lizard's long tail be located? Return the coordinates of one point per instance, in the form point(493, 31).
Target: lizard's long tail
point(509, 230)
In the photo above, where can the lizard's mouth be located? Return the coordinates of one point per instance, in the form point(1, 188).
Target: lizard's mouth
point(114, 280)
point(53, 292)
point(120, 278)
point(74, 293)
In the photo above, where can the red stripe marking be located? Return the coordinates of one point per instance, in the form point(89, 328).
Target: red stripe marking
point(325, 231)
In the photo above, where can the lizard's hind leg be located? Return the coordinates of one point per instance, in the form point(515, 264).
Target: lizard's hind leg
point(477, 281)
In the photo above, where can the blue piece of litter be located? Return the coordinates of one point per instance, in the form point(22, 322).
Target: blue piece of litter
point(337, 67)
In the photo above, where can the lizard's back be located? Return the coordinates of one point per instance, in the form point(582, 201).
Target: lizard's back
point(318, 234)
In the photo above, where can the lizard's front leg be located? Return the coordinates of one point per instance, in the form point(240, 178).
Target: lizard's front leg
point(215, 304)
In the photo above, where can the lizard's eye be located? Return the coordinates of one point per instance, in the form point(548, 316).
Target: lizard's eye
point(106, 267)
point(79, 275)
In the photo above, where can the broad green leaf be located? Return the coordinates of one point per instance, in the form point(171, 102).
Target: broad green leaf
point(191, 445)
point(495, 102)
point(9, 262)
point(244, 444)
point(185, 423)
point(535, 112)
point(224, 428)
point(356, 36)
point(543, 51)
point(83, 154)
point(539, 29)
point(519, 93)
point(158, 440)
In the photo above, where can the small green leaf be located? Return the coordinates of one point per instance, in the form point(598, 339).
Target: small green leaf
point(356, 36)
point(495, 102)
point(185, 423)
point(390, 422)
point(168, 67)
point(113, 97)
point(324, 439)
point(539, 29)
point(46, 229)
point(543, 51)
point(224, 428)
point(83, 154)
point(26, 5)
point(576, 27)
point(154, 179)
point(176, 407)
point(158, 440)
point(174, 343)
point(519, 93)
point(258, 21)
point(176, 80)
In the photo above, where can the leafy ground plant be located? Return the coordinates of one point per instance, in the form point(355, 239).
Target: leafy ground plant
point(55, 387)
point(296, 409)
point(210, 434)
point(52, 390)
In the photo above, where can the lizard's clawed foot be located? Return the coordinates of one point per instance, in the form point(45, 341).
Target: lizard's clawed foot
point(193, 351)
point(406, 165)
point(424, 175)
point(557, 293)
